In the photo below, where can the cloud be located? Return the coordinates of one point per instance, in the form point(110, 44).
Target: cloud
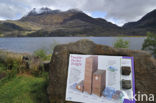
point(117, 11)
point(122, 10)
point(10, 10)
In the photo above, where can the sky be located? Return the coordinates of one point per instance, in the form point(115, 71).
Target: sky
point(115, 11)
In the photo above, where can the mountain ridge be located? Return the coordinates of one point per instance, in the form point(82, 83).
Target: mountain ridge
point(73, 22)
point(149, 18)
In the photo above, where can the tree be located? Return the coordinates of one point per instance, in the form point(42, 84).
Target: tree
point(150, 43)
point(120, 43)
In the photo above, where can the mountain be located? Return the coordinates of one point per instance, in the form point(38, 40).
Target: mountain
point(42, 11)
point(69, 23)
point(46, 22)
point(73, 22)
point(145, 24)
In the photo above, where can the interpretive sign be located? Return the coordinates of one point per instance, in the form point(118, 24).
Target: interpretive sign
point(100, 79)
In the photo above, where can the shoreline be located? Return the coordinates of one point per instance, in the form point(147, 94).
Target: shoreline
point(76, 36)
point(14, 52)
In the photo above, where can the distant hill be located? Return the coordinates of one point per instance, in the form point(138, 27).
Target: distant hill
point(46, 22)
point(145, 24)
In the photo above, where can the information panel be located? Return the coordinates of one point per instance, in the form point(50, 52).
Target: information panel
point(100, 79)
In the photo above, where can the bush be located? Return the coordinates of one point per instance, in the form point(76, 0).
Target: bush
point(45, 53)
point(41, 53)
point(120, 43)
point(150, 43)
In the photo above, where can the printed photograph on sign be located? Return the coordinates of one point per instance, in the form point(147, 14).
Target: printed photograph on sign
point(100, 78)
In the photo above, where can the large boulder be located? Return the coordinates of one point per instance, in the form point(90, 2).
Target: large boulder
point(145, 67)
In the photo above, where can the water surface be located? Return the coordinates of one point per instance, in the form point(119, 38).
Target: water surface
point(30, 44)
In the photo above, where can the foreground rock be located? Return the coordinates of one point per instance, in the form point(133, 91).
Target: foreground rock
point(145, 67)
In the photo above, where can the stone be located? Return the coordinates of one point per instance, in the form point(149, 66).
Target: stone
point(126, 84)
point(145, 67)
point(126, 70)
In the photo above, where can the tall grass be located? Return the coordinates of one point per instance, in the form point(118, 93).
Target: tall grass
point(24, 89)
point(14, 63)
point(22, 84)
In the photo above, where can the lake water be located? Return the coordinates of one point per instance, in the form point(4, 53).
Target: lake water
point(30, 44)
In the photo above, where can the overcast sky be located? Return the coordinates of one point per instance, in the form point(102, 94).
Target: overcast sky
point(116, 11)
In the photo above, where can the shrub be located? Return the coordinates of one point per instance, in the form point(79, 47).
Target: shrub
point(120, 43)
point(150, 43)
point(46, 53)
point(41, 53)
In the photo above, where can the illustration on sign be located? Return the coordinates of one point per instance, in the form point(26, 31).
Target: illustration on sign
point(100, 78)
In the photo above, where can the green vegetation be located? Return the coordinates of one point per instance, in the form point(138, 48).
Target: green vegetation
point(150, 43)
point(23, 89)
point(41, 53)
point(22, 80)
point(45, 54)
point(2, 67)
point(120, 43)
point(25, 25)
point(17, 28)
point(23, 77)
point(14, 63)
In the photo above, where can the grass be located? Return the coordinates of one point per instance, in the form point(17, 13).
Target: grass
point(2, 68)
point(22, 84)
point(23, 89)
point(26, 25)
point(42, 54)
